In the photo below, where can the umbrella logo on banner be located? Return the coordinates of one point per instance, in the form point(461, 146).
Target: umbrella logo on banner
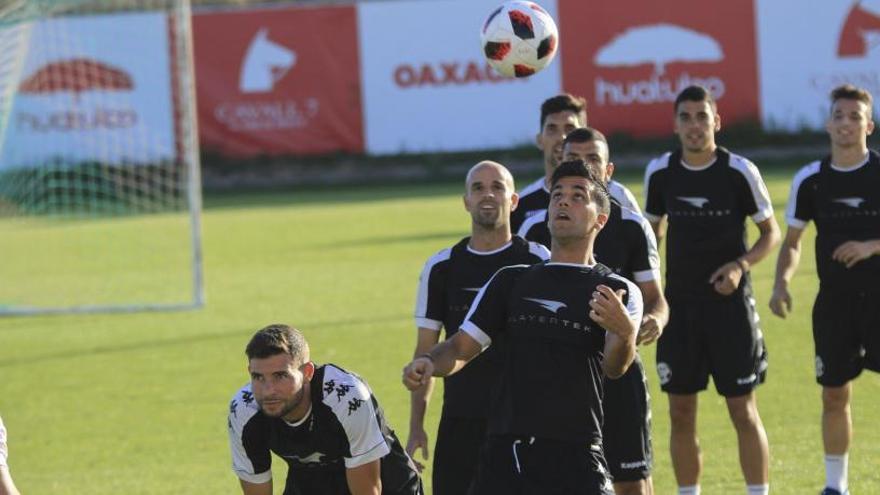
point(658, 45)
point(76, 76)
point(860, 33)
point(265, 63)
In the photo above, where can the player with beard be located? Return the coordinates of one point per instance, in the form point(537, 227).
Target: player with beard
point(706, 193)
point(562, 326)
point(560, 115)
point(626, 245)
point(448, 284)
point(841, 194)
point(322, 420)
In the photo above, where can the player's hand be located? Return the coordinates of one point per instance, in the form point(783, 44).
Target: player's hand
point(726, 279)
point(650, 330)
point(418, 439)
point(851, 252)
point(780, 302)
point(607, 309)
point(418, 373)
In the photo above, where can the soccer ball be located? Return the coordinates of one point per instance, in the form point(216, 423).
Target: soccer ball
point(519, 38)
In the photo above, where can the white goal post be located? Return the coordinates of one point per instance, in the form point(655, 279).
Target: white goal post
point(100, 187)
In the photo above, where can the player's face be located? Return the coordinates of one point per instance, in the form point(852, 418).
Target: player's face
point(490, 197)
point(850, 123)
point(556, 127)
point(573, 213)
point(278, 386)
point(696, 124)
point(594, 154)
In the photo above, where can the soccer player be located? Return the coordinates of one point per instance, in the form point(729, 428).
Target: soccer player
point(561, 326)
point(449, 282)
point(626, 245)
point(841, 194)
point(705, 192)
point(7, 486)
point(560, 115)
point(322, 420)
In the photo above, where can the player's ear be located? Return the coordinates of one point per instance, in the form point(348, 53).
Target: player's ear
point(609, 171)
point(514, 201)
point(308, 370)
point(539, 141)
point(601, 218)
point(870, 126)
point(717, 122)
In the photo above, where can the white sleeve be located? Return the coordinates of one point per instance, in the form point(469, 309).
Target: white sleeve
point(357, 415)
point(4, 453)
point(423, 297)
point(757, 187)
point(242, 409)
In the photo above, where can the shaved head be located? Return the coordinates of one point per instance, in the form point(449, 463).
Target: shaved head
point(502, 170)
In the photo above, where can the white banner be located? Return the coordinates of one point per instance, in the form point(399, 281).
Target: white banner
point(93, 88)
point(426, 86)
point(805, 50)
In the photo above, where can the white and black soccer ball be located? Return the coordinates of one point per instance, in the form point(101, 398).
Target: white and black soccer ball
point(519, 38)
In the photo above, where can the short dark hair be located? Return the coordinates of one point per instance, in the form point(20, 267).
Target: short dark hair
point(584, 135)
point(561, 103)
point(694, 93)
point(851, 92)
point(577, 168)
point(278, 339)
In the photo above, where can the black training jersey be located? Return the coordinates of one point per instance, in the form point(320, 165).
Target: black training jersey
point(706, 209)
point(448, 285)
point(551, 385)
point(532, 199)
point(845, 204)
point(344, 429)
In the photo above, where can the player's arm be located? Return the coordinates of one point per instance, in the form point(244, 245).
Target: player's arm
point(443, 359)
point(851, 252)
point(658, 225)
point(248, 488)
point(419, 400)
point(620, 322)
point(786, 265)
point(365, 479)
point(727, 277)
point(656, 314)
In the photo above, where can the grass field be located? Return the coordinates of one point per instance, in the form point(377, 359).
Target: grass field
point(136, 403)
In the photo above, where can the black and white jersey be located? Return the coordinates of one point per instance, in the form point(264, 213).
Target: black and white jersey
point(626, 244)
point(623, 196)
point(448, 285)
point(706, 209)
point(533, 198)
point(551, 385)
point(344, 429)
point(3, 452)
point(845, 204)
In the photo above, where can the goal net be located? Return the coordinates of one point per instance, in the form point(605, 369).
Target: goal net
point(99, 174)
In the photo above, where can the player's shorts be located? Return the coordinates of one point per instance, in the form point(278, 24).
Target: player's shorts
point(513, 465)
point(627, 427)
point(457, 454)
point(716, 337)
point(846, 333)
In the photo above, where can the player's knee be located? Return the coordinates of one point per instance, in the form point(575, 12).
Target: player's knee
point(631, 488)
point(835, 399)
point(743, 412)
point(683, 412)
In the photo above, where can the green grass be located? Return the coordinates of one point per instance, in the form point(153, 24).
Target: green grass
point(136, 403)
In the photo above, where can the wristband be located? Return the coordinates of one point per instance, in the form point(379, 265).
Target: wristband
point(427, 356)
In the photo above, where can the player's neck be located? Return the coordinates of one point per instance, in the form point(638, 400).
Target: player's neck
point(699, 159)
point(579, 252)
point(483, 239)
point(848, 157)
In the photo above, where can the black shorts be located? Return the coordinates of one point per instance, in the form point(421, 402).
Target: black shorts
point(846, 333)
point(512, 465)
point(717, 337)
point(457, 454)
point(626, 434)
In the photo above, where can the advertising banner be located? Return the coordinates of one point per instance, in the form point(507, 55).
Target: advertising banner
point(832, 43)
point(92, 88)
point(278, 81)
point(427, 87)
point(630, 58)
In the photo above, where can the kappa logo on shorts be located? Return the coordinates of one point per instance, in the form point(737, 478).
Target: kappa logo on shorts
point(747, 380)
point(549, 305)
point(664, 373)
point(820, 367)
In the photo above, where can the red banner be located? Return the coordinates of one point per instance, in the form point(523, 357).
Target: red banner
point(278, 81)
point(630, 58)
